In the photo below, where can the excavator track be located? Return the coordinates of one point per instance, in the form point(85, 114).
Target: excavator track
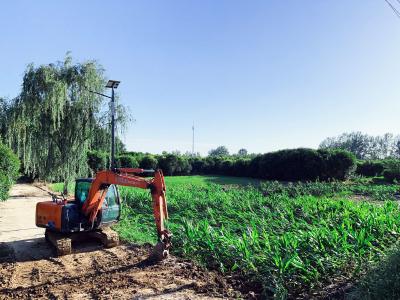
point(63, 242)
point(107, 236)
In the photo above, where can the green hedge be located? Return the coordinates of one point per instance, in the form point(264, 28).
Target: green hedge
point(285, 165)
point(303, 165)
point(370, 168)
point(9, 170)
point(126, 161)
point(392, 171)
point(148, 162)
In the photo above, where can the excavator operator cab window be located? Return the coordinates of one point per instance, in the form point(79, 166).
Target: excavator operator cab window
point(81, 191)
point(111, 197)
point(82, 188)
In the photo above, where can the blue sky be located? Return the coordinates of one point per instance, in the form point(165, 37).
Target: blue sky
point(263, 75)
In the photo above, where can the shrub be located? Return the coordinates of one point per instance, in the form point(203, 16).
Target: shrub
point(392, 172)
point(208, 165)
point(174, 164)
point(241, 167)
point(339, 164)
point(168, 163)
point(291, 165)
point(9, 170)
point(148, 162)
point(254, 170)
point(303, 165)
point(370, 168)
point(97, 160)
point(226, 167)
point(126, 161)
point(183, 167)
point(197, 164)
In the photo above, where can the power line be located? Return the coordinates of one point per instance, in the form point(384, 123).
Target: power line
point(394, 8)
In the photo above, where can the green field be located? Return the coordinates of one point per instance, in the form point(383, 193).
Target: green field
point(277, 239)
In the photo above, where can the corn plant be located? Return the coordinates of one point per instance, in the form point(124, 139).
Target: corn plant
point(286, 239)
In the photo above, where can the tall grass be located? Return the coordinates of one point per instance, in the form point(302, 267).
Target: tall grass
point(281, 245)
point(59, 187)
point(376, 192)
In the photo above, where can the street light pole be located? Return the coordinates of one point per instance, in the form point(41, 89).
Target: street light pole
point(112, 130)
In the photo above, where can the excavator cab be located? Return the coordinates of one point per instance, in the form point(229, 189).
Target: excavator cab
point(111, 208)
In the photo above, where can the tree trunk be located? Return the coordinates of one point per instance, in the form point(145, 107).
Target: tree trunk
point(65, 190)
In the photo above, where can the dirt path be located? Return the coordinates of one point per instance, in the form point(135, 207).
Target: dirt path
point(30, 270)
point(17, 220)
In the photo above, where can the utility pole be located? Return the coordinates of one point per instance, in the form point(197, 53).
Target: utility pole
point(193, 139)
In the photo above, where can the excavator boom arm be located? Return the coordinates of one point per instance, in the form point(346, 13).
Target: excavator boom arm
point(127, 177)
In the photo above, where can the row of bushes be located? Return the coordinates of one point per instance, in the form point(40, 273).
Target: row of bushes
point(9, 170)
point(388, 168)
point(98, 160)
point(286, 165)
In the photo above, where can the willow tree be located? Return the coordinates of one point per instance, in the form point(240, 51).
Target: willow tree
point(55, 119)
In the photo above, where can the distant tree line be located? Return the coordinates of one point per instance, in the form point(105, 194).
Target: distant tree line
point(365, 146)
point(378, 156)
point(289, 165)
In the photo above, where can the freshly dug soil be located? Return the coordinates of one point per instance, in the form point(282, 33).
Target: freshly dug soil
point(121, 272)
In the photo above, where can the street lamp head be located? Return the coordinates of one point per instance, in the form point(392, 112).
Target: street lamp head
point(112, 84)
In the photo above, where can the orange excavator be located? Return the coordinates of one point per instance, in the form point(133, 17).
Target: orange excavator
point(97, 205)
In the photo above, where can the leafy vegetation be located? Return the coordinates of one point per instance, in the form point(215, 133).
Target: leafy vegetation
point(392, 171)
point(187, 180)
point(9, 170)
point(219, 151)
point(97, 160)
point(56, 119)
point(335, 189)
point(280, 242)
point(126, 161)
point(303, 164)
point(382, 280)
point(290, 165)
point(370, 168)
point(281, 239)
